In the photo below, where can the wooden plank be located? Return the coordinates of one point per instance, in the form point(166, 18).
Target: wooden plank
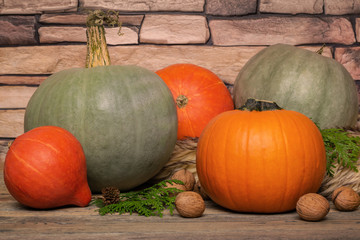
point(19, 222)
point(24, 80)
point(15, 96)
point(11, 123)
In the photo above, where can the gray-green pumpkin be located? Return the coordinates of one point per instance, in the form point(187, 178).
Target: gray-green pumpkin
point(300, 80)
point(124, 117)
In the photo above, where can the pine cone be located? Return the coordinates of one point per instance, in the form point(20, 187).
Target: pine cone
point(111, 195)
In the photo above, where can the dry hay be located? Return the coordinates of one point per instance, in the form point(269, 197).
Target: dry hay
point(342, 177)
point(184, 157)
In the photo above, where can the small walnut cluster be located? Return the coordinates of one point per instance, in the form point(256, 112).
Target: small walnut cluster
point(314, 207)
point(190, 203)
point(345, 199)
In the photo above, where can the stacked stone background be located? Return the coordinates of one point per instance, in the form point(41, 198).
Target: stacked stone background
point(38, 38)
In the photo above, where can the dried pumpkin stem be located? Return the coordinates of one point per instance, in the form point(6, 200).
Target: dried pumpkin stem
point(321, 50)
point(259, 105)
point(10, 143)
point(97, 50)
point(181, 101)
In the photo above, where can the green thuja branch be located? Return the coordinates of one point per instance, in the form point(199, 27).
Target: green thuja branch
point(151, 201)
point(341, 148)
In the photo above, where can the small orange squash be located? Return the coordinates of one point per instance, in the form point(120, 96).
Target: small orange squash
point(260, 161)
point(199, 94)
point(46, 168)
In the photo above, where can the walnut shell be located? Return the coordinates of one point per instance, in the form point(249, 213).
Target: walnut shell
point(345, 199)
point(186, 177)
point(189, 204)
point(175, 185)
point(198, 189)
point(312, 207)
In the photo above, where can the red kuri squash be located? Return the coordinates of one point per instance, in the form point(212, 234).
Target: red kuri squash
point(199, 94)
point(260, 161)
point(46, 168)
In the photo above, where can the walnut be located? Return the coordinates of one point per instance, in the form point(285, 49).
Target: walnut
point(198, 189)
point(175, 185)
point(345, 199)
point(186, 177)
point(312, 207)
point(189, 204)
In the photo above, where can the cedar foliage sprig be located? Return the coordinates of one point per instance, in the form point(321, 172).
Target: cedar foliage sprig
point(151, 201)
point(340, 148)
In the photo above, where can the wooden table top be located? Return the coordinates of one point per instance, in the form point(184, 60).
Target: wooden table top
point(19, 222)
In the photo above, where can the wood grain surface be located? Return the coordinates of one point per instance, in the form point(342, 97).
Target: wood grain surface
point(19, 222)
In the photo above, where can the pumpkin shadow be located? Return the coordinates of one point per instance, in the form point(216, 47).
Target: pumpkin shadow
point(21, 207)
point(213, 205)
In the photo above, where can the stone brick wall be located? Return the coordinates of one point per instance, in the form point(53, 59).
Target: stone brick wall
point(38, 38)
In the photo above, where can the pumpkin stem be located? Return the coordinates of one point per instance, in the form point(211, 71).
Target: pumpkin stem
point(321, 50)
point(97, 50)
point(10, 143)
point(181, 101)
point(259, 105)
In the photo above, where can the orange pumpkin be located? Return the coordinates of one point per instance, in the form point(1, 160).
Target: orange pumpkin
point(46, 168)
point(260, 161)
point(199, 94)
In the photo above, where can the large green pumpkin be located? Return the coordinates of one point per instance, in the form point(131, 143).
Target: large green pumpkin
point(300, 80)
point(124, 117)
